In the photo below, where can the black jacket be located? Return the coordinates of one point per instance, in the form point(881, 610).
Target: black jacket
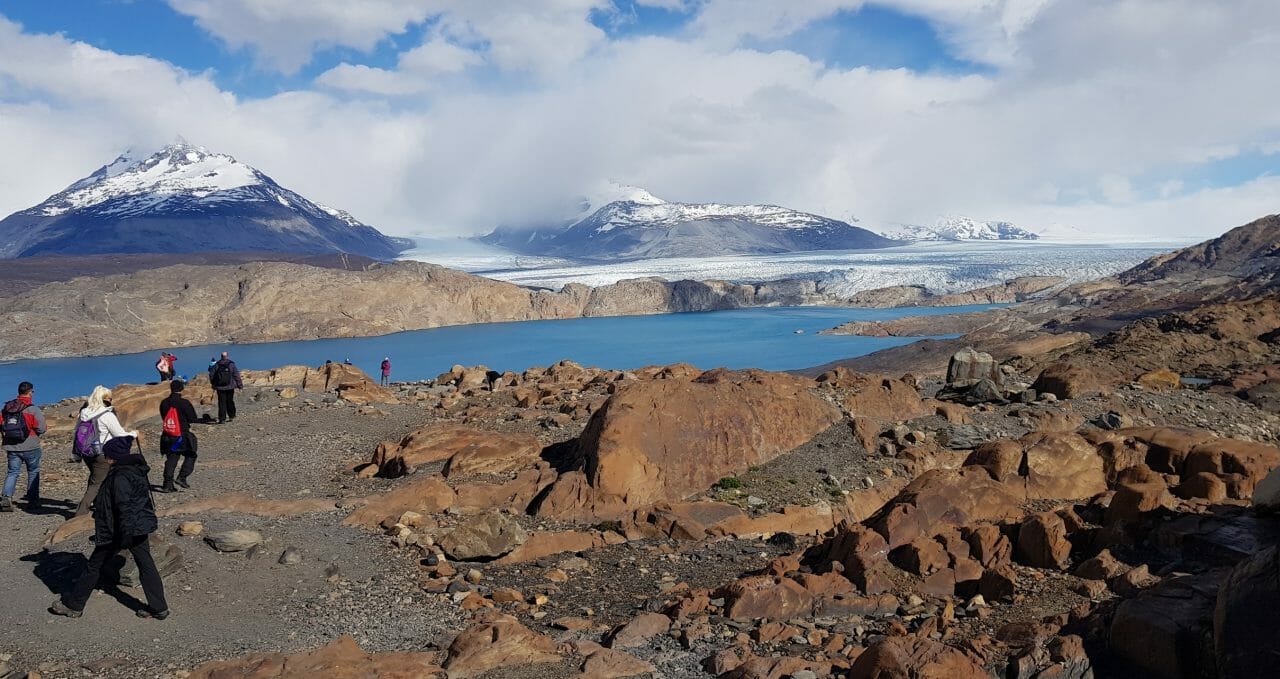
point(186, 416)
point(124, 508)
point(235, 375)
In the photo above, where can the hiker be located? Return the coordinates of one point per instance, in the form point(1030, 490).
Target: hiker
point(96, 425)
point(386, 371)
point(176, 438)
point(22, 424)
point(123, 518)
point(346, 361)
point(165, 366)
point(225, 378)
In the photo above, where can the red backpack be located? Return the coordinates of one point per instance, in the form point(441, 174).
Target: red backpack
point(172, 425)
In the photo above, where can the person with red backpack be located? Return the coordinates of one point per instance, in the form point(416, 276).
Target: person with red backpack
point(95, 426)
point(21, 424)
point(176, 438)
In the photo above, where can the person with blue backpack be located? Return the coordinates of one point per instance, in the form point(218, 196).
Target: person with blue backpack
point(21, 424)
point(96, 424)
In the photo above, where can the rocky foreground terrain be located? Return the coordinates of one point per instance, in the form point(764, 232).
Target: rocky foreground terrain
point(1056, 501)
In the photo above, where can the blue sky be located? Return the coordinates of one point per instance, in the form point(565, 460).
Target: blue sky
point(871, 36)
point(449, 116)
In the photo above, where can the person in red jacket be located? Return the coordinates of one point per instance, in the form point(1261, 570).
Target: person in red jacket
point(386, 371)
point(23, 424)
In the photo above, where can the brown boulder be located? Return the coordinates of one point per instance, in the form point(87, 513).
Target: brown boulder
point(546, 544)
point(1042, 542)
point(502, 642)
point(1067, 380)
point(765, 596)
point(638, 630)
point(350, 382)
point(340, 659)
point(914, 658)
point(134, 403)
point(968, 366)
point(1244, 630)
point(477, 450)
point(606, 663)
point(487, 536)
point(988, 545)
point(945, 497)
point(1165, 631)
point(663, 440)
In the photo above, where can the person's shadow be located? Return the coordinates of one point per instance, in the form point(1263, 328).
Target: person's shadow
point(60, 570)
point(64, 508)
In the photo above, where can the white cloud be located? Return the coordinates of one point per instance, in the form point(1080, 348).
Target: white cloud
point(509, 110)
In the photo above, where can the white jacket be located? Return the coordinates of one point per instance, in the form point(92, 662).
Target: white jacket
point(108, 424)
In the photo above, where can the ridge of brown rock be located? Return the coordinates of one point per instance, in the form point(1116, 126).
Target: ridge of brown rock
point(340, 659)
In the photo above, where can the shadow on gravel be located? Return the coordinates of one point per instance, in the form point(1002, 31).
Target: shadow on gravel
point(59, 571)
point(63, 508)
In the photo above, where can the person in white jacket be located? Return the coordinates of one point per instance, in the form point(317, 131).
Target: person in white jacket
point(99, 407)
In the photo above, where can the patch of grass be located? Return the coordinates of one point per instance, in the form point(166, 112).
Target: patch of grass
point(835, 493)
point(729, 483)
point(606, 526)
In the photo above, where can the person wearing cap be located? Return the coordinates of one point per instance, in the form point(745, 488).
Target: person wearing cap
point(123, 518)
point(176, 439)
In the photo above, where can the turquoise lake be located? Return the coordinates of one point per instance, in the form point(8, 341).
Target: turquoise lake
point(745, 338)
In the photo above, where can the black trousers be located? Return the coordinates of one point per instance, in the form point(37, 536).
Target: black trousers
point(226, 405)
point(152, 586)
point(171, 464)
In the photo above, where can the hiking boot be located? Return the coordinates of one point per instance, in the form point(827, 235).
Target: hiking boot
point(59, 608)
point(6, 503)
point(167, 488)
point(146, 613)
point(184, 484)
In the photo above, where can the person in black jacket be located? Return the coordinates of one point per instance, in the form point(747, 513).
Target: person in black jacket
point(181, 444)
point(123, 518)
point(225, 378)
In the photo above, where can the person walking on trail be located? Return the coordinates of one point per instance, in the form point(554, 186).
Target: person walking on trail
point(96, 425)
point(225, 378)
point(176, 438)
point(123, 518)
point(386, 371)
point(22, 424)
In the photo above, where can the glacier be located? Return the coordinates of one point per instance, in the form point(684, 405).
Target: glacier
point(942, 267)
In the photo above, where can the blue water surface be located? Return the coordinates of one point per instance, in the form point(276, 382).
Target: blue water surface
point(745, 338)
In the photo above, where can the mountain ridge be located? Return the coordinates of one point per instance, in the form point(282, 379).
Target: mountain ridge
point(639, 225)
point(185, 198)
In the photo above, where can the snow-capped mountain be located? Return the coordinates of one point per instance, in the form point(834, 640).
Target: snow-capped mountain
point(961, 229)
point(640, 225)
point(185, 198)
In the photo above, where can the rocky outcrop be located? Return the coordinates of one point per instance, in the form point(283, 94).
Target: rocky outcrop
point(466, 449)
point(501, 642)
point(662, 440)
point(487, 536)
point(1245, 636)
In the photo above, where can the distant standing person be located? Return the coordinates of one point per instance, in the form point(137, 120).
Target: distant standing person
point(123, 518)
point(176, 438)
point(21, 424)
point(95, 426)
point(165, 367)
point(386, 371)
point(225, 378)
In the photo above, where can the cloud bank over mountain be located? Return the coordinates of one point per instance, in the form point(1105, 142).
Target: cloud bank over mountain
point(443, 117)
